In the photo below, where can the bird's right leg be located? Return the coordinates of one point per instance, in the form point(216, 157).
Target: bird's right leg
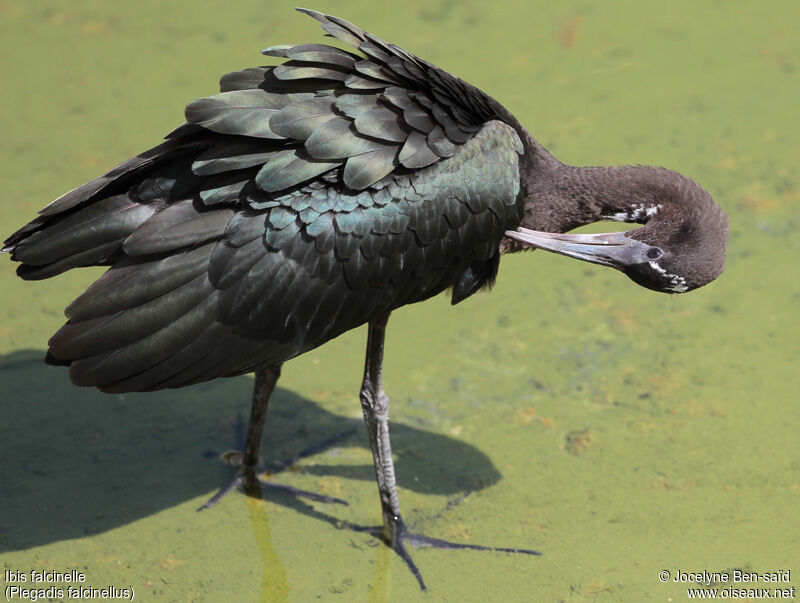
point(247, 459)
point(375, 406)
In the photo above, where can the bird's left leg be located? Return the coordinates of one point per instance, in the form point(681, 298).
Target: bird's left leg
point(247, 457)
point(375, 405)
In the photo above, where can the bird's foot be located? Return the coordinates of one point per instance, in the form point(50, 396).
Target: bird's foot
point(249, 476)
point(396, 535)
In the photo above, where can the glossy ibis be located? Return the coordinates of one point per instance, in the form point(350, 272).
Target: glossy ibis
point(312, 197)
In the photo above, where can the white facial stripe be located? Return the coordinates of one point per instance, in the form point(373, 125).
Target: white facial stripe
point(618, 217)
point(637, 213)
point(676, 282)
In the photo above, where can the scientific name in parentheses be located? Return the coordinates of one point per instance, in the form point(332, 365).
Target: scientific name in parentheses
point(43, 576)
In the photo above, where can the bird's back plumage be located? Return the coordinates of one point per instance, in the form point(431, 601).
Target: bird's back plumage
point(300, 202)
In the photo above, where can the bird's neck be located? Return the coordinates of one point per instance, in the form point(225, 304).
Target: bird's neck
point(559, 197)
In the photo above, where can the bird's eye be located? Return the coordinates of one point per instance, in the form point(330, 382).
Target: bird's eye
point(654, 253)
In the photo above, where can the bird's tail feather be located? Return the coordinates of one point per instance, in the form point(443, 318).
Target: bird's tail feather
point(149, 324)
point(87, 236)
point(86, 226)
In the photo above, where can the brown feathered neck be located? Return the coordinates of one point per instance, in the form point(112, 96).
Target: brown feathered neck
point(559, 197)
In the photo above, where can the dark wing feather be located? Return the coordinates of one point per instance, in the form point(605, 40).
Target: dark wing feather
point(337, 139)
point(366, 169)
point(416, 153)
point(290, 168)
point(241, 112)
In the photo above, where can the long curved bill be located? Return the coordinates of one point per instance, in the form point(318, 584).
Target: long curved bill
point(612, 249)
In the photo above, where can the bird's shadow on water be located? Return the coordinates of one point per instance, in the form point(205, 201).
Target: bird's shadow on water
point(77, 462)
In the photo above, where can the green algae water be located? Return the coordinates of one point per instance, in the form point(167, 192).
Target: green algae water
point(621, 432)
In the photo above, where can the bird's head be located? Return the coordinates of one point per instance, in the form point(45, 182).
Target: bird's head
point(680, 247)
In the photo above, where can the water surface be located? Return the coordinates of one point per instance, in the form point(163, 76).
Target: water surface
point(619, 431)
